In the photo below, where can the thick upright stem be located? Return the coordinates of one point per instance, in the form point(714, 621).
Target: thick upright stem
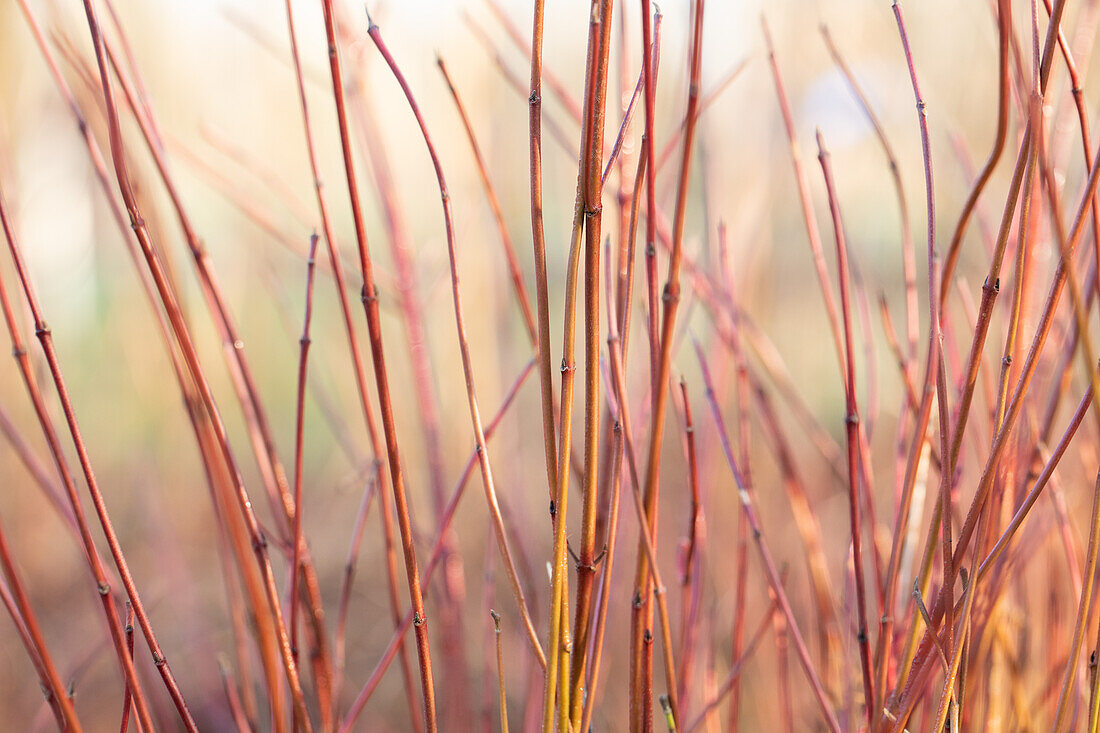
point(671, 300)
point(464, 348)
point(851, 421)
point(359, 372)
point(389, 428)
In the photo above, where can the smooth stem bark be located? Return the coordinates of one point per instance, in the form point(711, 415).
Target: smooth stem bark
point(389, 428)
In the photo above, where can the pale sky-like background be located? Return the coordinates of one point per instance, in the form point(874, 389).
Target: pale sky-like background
point(205, 73)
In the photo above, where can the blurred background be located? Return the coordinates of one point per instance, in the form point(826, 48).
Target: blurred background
point(219, 77)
